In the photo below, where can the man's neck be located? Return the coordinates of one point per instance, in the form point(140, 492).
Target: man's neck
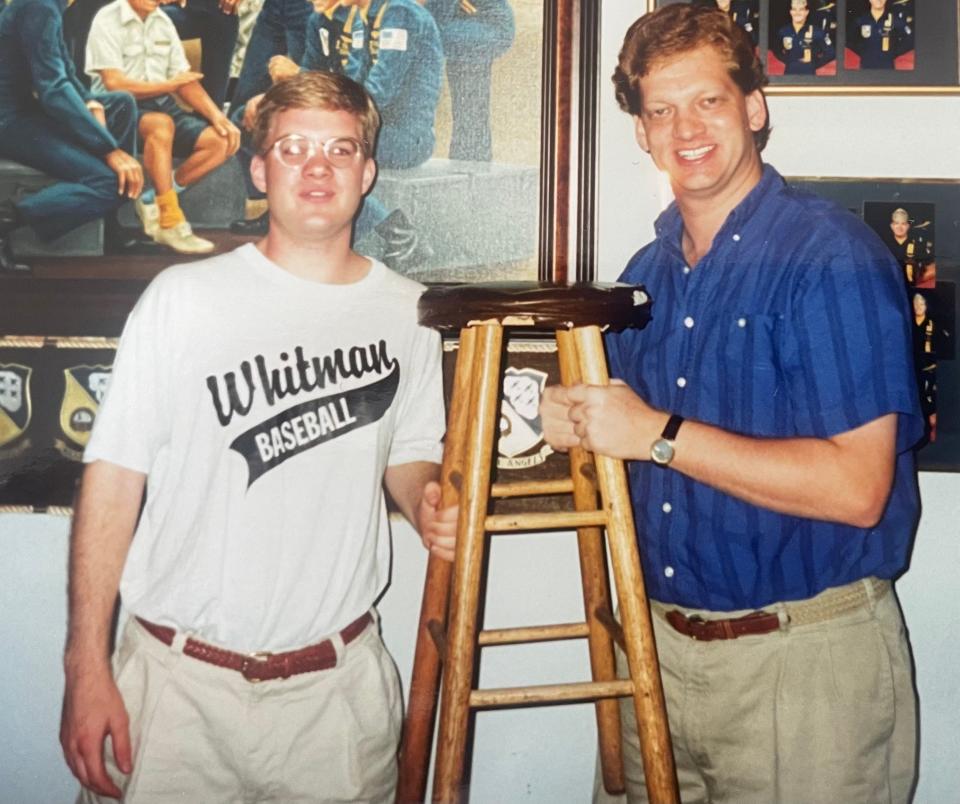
point(703, 216)
point(877, 14)
point(329, 261)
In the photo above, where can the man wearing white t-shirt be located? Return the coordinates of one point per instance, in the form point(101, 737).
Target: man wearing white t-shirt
point(266, 397)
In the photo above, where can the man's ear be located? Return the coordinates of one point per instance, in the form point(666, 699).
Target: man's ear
point(369, 174)
point(756, 110)
point(258, 172)
point(640, 133)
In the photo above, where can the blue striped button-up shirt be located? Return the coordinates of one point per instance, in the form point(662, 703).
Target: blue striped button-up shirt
point(795, 323)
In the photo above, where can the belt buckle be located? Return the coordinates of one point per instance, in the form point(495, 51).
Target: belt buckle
point(259, 657)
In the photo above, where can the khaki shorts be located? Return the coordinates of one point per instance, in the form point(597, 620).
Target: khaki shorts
point(202, 733)
point(810, 714)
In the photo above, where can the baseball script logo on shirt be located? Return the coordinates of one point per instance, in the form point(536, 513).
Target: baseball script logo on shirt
point(307, 424)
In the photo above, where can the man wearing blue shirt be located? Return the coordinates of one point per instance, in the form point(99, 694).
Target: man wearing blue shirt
point(768, 412)
point(51, 122)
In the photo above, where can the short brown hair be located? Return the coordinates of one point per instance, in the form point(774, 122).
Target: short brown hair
point(316, 90)
point(677, 29)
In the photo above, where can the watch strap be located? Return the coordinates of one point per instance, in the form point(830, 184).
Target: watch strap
point(672, 427)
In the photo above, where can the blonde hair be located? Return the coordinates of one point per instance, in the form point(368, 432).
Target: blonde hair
point(316, 90)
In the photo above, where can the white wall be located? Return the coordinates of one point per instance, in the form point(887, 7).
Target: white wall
point(546, 754)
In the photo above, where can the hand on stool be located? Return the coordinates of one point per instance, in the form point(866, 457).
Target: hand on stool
point(437, 526)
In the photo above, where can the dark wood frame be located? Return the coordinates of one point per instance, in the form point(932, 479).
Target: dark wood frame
point(938, 34)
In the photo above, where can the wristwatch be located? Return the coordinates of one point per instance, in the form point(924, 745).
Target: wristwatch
point(661, 450)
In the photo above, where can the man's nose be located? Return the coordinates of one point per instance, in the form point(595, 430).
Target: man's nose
point(686, 124)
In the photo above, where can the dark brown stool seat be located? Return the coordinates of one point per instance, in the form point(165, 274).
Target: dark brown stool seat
point(575, 315)
point(540, 305)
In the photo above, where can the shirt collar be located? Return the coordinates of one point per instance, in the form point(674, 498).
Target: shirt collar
point(128, 15)
point(669, 224)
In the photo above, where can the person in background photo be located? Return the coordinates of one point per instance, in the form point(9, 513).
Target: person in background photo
point(215, 24)
point(881, 34)
point(474, 35)
point(133, 47)
point(51, 122)
point(769, 413)
point(913, 250)
point(802, 45)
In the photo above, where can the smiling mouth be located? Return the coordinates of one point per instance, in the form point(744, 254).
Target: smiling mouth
point(317, 195)
point(692, 154)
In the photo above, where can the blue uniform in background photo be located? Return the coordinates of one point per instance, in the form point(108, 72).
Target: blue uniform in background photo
point(217, 32)
point(803, 51)
point(45, 124)
point(474, 35)
point(879, 42)
point(280, 30)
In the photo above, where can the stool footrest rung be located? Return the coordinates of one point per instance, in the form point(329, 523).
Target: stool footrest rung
point(559, 520)
point(531, 488)
point(545, 693)
point(533, 633)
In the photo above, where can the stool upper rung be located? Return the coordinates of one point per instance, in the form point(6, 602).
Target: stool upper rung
point(560, 520)
point(530, 488)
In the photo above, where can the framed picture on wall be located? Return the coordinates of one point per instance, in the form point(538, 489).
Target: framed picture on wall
point(462, 199)
point(851, 46)
point(919, 221)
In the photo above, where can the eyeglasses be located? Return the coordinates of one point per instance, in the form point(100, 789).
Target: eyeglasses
point(295, 150)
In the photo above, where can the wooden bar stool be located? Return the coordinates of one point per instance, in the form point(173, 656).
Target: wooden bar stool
point(576, 314)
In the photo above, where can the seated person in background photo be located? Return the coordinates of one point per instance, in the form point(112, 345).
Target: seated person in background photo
point(51, 122)
point(913, 250)
point(133, 46)
point(215, 24)
point(474, 35)
point(880, 35)
point(803, 46)
point(396, 54)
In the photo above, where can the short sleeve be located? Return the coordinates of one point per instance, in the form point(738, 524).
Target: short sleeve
point(134, 420)
point(849, 346)
point(420, 421)
point(178, 58)
point(104, 48)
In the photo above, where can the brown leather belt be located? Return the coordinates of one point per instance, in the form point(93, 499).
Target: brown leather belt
point(263, 665)
point(825, 606)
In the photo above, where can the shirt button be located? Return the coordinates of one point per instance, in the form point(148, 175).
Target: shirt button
point(741, 322)
point(736, 238)
point(686, 269)
point(688, 322)
point(668, 571)
point(681, 382)
point(667, 508)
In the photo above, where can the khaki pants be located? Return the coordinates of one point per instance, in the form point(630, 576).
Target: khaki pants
point(810, 714)
point(204, 734)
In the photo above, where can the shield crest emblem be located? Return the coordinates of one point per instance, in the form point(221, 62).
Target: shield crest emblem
point(15, 401)
point(520, 428)
point(83, 391)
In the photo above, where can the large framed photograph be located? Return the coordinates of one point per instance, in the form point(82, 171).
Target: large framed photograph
point(465, 197)
point(919, 221)
point(491, 201)
point(851, 46)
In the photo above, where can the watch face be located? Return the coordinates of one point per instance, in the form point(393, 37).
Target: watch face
point(661, 452)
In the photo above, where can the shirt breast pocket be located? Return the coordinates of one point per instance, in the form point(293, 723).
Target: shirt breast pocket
point(751, 376)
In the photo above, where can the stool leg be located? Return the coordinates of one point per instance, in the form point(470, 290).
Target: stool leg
point(417, 738)
point(651, 712)
point(596, 590)
point(465, 593)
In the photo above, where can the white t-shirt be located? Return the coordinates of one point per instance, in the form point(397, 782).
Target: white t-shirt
point(143, 50)
point(265, 409)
